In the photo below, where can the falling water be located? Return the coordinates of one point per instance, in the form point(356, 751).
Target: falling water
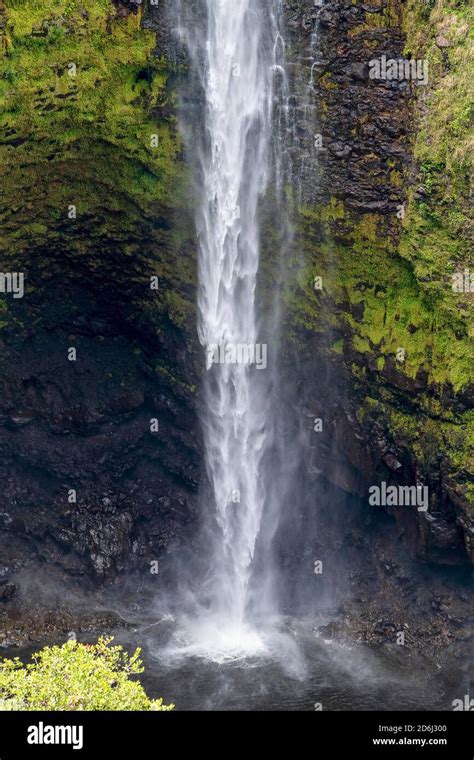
point(236, 66)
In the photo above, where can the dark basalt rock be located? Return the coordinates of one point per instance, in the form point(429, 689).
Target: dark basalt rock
point(7, 590)
point(85, 426)
point(88, 430)
point(367, 130)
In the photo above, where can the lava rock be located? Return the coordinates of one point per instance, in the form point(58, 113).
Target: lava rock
point(8, 589)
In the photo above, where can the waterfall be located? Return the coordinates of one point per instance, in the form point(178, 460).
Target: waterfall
point(235, 63)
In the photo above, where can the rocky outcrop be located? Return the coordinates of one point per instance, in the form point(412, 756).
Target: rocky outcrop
point(96, 203)
point(379, 339)
point(102, 342)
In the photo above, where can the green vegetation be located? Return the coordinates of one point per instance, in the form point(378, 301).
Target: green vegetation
point(438, 228)
point(77, 73)
point(397, 278)
point(76, 676)
point(91, 155)
point(88, 119)
point(388, 280)
point(365, 277)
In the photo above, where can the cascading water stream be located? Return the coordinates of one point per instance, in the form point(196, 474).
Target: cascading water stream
point(236, 67)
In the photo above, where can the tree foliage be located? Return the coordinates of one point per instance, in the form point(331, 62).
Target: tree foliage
point(76, 676)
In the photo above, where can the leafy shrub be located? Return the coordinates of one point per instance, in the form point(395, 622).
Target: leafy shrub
point(76, 676)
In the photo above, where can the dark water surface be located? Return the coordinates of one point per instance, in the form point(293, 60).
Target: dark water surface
point(306, 671)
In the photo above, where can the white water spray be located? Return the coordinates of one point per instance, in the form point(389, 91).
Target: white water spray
point(236, 67)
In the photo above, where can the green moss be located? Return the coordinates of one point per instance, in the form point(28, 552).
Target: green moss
point(108, 96)
point(404, 284)
point(180, 310)
point(388, 282)
point(167, 376)
point(438, 228)
point(4, 315)
point(396, 311)
point(103, 143)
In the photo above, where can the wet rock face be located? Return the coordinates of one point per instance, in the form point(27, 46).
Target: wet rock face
point(351, 151)
point(7, 591)
point(363, 129)
point(89, 489)
point(85, 474)
point(98, 437)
